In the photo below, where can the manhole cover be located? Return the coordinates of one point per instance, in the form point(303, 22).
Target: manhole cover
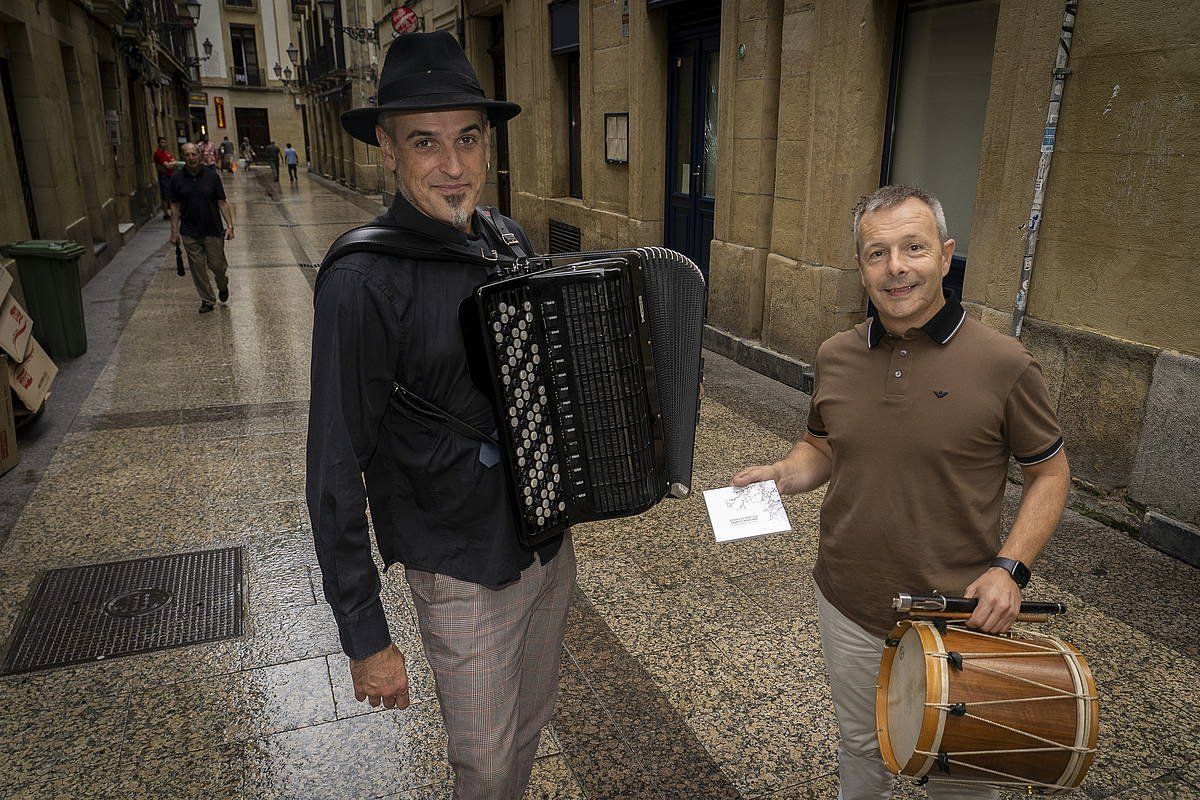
point(104, 611)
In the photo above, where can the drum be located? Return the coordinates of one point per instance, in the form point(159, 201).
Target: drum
point(1019, 710)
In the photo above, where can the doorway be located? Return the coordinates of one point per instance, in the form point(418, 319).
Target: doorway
point(496, 51)
point(10, 104)
point(252, 123)
point(692, 92)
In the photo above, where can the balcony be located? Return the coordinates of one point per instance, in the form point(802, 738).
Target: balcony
point(241, 5)
point(252, 77)
point(326, 61)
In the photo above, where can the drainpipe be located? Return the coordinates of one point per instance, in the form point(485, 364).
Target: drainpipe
point(1043, 173)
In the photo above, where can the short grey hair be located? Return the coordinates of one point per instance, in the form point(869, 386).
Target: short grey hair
point(894, 195)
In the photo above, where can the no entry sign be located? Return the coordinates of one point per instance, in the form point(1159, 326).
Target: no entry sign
point(404, 20)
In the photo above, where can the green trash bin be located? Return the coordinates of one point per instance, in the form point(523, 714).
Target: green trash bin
point(50, 279)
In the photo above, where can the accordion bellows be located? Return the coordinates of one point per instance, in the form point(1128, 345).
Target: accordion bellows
point(595, 365)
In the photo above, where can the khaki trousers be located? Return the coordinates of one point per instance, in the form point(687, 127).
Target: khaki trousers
point(495, 656)
point(204, 255)
point(852, 661)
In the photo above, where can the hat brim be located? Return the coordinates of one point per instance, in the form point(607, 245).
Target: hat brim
point(360, 122)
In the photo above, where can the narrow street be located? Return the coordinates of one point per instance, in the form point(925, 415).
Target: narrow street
point(693, 669)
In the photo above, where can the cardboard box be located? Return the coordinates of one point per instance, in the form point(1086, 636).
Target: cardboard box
point(31, 379)
point(9, 455)
point(16, 329)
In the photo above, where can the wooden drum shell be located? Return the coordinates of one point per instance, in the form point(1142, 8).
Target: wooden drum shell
point(994, 670)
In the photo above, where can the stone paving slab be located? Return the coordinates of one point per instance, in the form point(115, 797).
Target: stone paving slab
point(691, 669)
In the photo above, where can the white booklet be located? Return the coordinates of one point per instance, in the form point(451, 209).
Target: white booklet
point(738, 512)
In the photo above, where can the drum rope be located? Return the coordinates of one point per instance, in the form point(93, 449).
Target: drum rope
point(1034, 736)
point(1030, 681)
point(1017, 780)
point(950, 706)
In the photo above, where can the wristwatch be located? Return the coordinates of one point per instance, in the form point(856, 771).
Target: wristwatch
point(1016, 570)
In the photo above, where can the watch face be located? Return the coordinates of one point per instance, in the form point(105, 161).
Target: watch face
point(1020, 574)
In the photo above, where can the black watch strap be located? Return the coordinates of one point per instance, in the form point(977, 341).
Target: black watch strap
point(1016, 569)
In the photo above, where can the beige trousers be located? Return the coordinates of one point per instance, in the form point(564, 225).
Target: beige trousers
point(852, 661)
point(204, 255)
point(495, 656)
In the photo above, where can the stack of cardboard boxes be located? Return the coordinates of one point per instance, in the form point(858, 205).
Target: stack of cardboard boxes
point(24, 366)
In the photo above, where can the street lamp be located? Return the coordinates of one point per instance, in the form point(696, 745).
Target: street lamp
point(293, 52)
point(193, 61)
point(361, 35)
point(191, 9)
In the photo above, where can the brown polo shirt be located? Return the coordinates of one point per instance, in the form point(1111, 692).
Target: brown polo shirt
point(921, 427)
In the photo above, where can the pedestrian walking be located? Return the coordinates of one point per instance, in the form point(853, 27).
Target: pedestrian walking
point(293, 161)
point(491, 613)
point(226, 154)
point(208, 153)
point(164, 167)
point(271, 153)
point(247, 152)
point(918, 409)
point(202, 217)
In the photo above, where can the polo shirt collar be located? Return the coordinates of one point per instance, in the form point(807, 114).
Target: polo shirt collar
point(941, 328)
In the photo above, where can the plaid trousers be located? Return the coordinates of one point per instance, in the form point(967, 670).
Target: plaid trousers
point(495, 656)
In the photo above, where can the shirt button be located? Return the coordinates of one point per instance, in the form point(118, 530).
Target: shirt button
point(903, 353)
point(898, 373)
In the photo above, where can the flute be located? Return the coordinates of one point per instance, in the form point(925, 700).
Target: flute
point(962, 607)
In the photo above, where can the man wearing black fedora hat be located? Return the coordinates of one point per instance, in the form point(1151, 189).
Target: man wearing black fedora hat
point(491, 613)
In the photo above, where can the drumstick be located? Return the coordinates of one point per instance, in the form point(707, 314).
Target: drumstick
point(967, 615)
point(965, 605)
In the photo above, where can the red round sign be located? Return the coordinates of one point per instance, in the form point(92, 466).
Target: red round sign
point(404, 20)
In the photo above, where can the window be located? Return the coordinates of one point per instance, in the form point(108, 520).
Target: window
point(245, 56)
point(564, 42)
point(942, 68)
point(573, 125)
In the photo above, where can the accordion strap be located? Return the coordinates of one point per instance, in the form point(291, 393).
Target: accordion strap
point(403, 243)
point(492, 218)
point(415, 404)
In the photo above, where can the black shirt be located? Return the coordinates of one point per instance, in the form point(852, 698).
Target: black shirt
point(435, 504)
point(197, 196)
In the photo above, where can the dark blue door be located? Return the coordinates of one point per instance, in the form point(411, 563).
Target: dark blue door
point(692, 141)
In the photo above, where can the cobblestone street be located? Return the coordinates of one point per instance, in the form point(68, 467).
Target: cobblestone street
point(693, 669)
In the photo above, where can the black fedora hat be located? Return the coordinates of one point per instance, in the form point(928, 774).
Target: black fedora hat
point(425, 72)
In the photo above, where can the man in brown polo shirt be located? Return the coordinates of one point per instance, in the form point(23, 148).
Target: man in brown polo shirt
point(914, 417)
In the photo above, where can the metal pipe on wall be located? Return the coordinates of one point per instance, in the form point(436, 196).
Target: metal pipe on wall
point(1034, 222)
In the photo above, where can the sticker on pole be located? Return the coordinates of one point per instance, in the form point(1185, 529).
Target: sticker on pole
point(404, 20)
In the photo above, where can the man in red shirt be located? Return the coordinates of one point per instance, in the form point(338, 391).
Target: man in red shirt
point(164, 165)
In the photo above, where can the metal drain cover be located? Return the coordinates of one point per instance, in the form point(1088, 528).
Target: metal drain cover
point(102, 611)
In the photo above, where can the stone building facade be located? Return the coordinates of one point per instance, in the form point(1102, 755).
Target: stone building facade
point(744, 132)
point(754, 126)
point(241, 96)
point(87, 90)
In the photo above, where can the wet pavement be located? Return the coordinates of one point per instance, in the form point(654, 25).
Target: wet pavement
point(692, 669)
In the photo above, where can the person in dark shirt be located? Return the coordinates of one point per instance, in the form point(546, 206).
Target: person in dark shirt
point(491, 613)
point(202, 217)
point(271, 153)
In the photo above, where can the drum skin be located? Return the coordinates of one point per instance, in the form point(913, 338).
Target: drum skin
point(993, 670)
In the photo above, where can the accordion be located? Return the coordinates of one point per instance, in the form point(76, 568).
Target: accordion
point(593, 362)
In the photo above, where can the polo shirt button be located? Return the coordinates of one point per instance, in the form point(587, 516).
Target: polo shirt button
point(898, 373)
point(903, 352)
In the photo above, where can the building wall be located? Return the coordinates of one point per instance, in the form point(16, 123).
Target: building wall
point(91, 180)
point(1114, 309)
point(274, 31)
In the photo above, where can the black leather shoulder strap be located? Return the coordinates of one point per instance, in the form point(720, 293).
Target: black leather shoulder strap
point(494, 220)
point(402, 243)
